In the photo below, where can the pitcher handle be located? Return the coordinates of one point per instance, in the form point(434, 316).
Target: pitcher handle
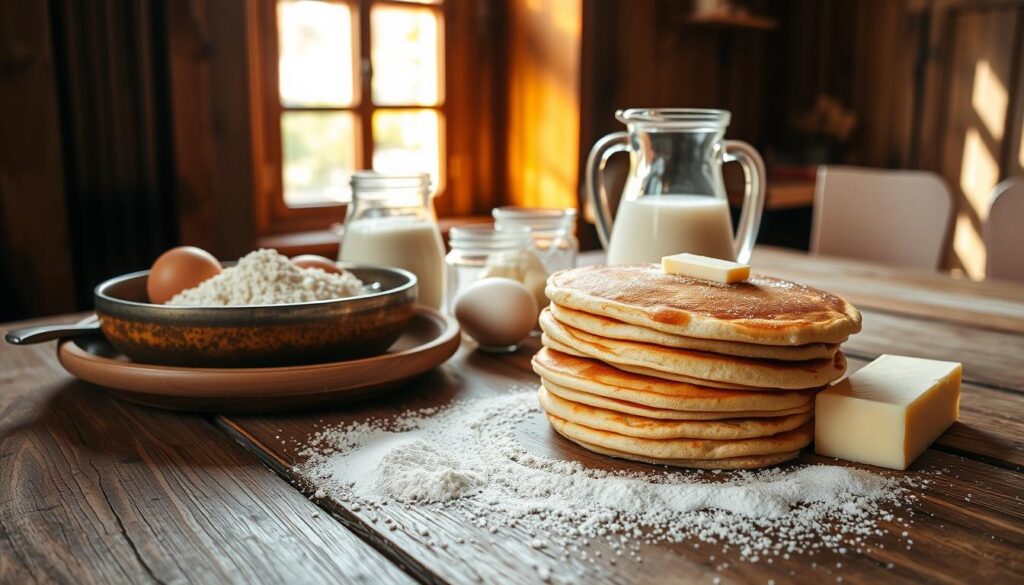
point(753, 196)
point(603, 150)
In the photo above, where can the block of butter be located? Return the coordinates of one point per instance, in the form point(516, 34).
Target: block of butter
point(888, 412)
point(705, 267)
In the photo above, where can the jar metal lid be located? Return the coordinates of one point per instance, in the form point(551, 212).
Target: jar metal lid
point(487, 237)
point(537, 219)
point(372, 180)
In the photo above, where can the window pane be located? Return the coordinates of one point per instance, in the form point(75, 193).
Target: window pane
point(319, 152)
point(316, 53)
point(406, 55)
point(408, 140)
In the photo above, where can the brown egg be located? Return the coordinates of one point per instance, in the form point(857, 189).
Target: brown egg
point(178, 269)
point(314, 261)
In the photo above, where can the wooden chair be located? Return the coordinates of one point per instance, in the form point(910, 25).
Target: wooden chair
point(1003, 231)
point(900, 218)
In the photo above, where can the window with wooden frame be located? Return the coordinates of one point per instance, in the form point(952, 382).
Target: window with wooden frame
point(357, 84)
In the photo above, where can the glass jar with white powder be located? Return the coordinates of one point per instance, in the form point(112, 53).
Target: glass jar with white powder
point(391, 222)
point(480, 251)
point(552, 233)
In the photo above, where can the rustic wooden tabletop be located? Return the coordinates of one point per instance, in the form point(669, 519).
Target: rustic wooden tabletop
point(93, 489)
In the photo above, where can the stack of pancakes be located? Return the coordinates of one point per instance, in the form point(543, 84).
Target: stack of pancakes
point(681, 371)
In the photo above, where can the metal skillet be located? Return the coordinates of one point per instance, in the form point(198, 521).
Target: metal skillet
point(247, 336)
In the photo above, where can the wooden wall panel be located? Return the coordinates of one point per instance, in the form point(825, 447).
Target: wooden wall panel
point(975, 121)
point(970, 102)
point(543, 102)
point(883, 75)
point(208, 52)
point(475, 107)
point(812, 53)
point(1013, 155)
point(648, 53)
point(35, 264)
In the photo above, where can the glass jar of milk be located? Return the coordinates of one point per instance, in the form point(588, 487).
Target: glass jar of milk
point(391, 222)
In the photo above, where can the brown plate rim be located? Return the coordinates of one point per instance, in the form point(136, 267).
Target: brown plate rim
point(77, 361)
point(450, 329)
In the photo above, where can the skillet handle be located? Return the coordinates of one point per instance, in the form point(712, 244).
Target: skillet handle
point(39, 334)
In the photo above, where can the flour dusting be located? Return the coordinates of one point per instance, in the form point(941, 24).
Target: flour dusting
point(474, 459)
point(415, 471)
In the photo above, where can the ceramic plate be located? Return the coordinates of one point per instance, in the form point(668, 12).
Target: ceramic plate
point(429, 340)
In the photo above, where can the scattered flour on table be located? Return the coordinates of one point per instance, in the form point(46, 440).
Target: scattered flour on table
point(470, 459)
point(266, 277)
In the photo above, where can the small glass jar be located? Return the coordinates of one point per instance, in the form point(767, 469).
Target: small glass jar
point(479, 251)
point(552, 232)
point(391, 222)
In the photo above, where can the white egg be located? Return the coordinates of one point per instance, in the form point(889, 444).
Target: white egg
point(496, 312)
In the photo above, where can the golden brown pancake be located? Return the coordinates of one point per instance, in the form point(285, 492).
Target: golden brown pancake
point(749, 462)
point(614, 329)
point(597, 378)
point(626, 407)
point(761, 310)
point(649, 428)
point(563, 348)
point(711, 368)
point(667, 449)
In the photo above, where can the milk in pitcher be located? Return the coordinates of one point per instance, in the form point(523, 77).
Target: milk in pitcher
point(648, 228)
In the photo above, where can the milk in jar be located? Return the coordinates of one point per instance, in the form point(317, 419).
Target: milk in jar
point(403, 242)
point(391, 222)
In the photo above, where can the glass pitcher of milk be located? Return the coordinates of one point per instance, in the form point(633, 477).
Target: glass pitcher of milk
point(674, 198)
point(391, 222)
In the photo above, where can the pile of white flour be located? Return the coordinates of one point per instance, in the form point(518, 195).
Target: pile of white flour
point(265, 277)
point(470, 459)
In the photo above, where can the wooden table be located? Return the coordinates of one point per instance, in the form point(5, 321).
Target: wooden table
point(93, 489)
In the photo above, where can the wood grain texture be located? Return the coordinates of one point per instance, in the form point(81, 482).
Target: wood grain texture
point(93, 489)
point(931, 295)
point(141, 495)
point(989, 357)
point(967, 517)
point(981, 57)
point(215, 166)
point(949, 532)
point(543, 102)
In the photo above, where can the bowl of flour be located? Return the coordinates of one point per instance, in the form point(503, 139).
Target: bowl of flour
point(260, 312)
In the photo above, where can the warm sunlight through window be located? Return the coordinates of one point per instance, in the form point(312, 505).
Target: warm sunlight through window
point(342, 73)
point(407, 139)
point(979, 168)
point(989, 99)
point(969, 247)
point(1020, 149)
point(317, 55)
point(406, 42)
point(979, 172)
